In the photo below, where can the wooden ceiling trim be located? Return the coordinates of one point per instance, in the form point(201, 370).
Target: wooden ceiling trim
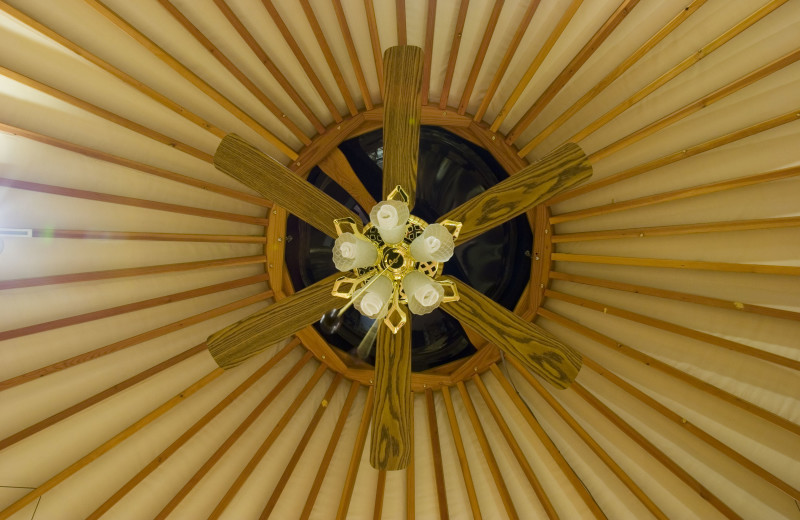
point(410, 489)
point(656, 453)
point(377, 511)
point(106, 114)
point(694, 430)
point(192, 430)
point(298, 452)
point(652, 362)
point(325, 143)
point(128, 163)
point(130, 80)
point(131, 341)
point(503, 66)
point(400, 8)
point(326, 51)
point(682, 229)
point(241, 77)
point(100, 396)
point(685, 193)
point(743, 133)
point(332, 443)
point(497, 476)
point(109, 444)
point(267, 444)
point(86, 234)
point(639, 53)
point(130, 201)
point(127, 271)
point(547, 46)
point(275, 248)
point(375, 41)
point(696, 106)
point(462, 454)
point(130, 307)
point(480, 56)
point(355, 458)
point(680, 296)
point(430, 116)
point(430, 25)
point(451, 62)
point(554, 452)
point(263, 58)
point(540, 492)
point(590, 442)
point(689, 333)
point(724, 267)
point(198, 82)
point(572, 68)
point(677, 69)
point(542, 258)
point(351, 51)
point(436, 455)
point(233, 437)
point(298, 53)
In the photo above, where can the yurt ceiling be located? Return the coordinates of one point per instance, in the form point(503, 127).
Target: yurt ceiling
point(674, 270)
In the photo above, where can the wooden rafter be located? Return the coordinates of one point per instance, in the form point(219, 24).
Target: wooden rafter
point(451, 62)
point(109, 444)
point(572, 68)
point(106, 114)
point(187, 74)
point(131, 341)
point(326, 51)
point(301, 58)
point(685, 153)
point(626, 64)
point(192, 430)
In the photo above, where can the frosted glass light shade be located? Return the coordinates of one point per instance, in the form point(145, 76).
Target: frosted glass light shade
point(389, 217)
point(371, 302)
point(350, 252)
point(435, 244)
point(423, 293)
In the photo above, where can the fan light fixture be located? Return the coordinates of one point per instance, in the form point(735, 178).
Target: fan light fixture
point(395, 259)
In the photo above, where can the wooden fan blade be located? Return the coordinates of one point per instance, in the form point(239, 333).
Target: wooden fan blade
point(250, 166)
point(534, 347)
point(402, 109)
point(252, 335)
point(391, 410)
point(534, 184)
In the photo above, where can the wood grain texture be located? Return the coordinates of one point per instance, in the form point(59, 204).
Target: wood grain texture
point(337, 167)
point(537, 349)
point(246, 338)
point(402, 117)
point(555, 172)
point(255, 169)
point(462, 454)
point(391, 413)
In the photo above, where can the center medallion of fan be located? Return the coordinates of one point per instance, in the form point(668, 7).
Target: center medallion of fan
point(395, 259)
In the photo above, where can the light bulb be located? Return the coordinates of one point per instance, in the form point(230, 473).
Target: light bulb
point(423, 293)
point(351, 252)
point(435, 244)
point(389, 217)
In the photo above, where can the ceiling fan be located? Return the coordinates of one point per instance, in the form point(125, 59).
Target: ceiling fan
point(535, 348)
